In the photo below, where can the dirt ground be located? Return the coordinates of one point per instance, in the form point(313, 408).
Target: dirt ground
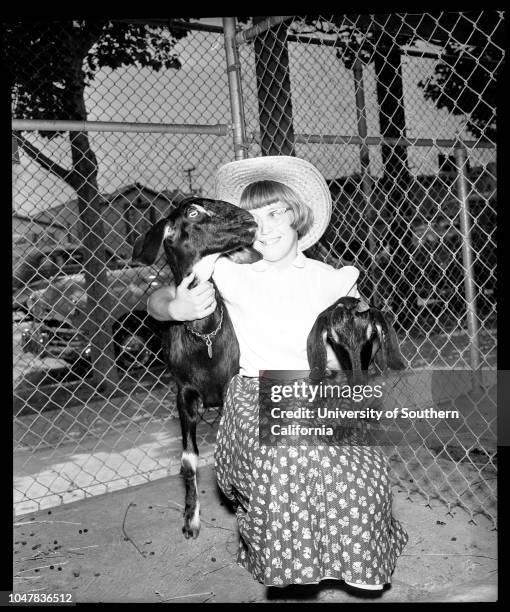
point(127, 546)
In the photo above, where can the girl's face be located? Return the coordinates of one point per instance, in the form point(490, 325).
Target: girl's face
point(276, 239)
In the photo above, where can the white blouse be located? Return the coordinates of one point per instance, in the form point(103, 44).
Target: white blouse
point(273, 310)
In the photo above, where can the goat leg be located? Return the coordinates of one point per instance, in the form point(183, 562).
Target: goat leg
point(188, 401)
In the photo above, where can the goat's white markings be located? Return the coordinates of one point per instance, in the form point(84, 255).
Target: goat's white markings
point(190, 459)
point(167, 232)
point(379, 330)
point(369, 330)
point(203, 210)
point(334, 335)
point(204, 268)
point(195, 521)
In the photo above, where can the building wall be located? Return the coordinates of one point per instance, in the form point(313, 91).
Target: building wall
point(125, 216)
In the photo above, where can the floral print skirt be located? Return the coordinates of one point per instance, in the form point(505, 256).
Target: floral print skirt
point(305, 513)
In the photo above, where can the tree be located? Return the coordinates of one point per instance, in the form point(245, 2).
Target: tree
point(50, 65)
point(274, 91)
point(466, 81)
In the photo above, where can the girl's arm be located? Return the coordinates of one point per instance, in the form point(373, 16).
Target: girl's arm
point(182, 304)
point(158, 304)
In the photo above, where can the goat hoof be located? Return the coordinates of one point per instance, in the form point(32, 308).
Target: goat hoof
point(190, 531)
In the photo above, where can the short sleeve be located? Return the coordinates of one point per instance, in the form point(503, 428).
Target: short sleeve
point(224, 276)
point(347, 278)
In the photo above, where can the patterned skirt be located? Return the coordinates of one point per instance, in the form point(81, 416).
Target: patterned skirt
point(305, 513)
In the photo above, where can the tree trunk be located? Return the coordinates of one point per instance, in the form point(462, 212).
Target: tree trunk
point(99, 323)
point(273, 91)
point(99, 303)
point(390, 98)
point(396, 177)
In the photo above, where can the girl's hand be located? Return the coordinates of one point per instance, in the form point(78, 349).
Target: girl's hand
point(192, 304)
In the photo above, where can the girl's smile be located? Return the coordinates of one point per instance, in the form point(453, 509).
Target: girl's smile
point(276, 238)
point(280, 248)
point(269, 241)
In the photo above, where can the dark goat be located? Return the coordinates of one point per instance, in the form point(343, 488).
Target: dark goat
point(358, 335)
point(203, 355)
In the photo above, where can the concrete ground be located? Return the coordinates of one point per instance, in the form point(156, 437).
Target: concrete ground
point(127, 546)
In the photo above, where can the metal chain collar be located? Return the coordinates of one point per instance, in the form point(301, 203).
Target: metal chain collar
point(207, 337)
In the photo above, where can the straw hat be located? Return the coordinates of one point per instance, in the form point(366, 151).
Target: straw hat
point(296, 173)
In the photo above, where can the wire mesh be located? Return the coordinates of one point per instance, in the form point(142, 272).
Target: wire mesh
point(339, 91)
point(385, 106)
point(96, 409)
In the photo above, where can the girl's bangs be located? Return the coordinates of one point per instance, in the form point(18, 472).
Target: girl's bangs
point(262, 193)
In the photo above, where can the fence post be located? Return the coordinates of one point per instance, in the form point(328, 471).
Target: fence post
point(364, 156)
point(274, 93)
point(234, 86)
point(467, 260)
point(396, 178)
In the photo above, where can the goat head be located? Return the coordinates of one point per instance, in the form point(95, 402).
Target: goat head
point(358, 334)
point(196, 228)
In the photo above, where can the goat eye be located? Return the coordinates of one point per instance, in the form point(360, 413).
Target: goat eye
point(193, 213)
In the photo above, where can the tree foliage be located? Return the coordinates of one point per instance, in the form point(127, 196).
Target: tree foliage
point(351, 42)
point(465, 81)
point(51, 63)
point(467, 84)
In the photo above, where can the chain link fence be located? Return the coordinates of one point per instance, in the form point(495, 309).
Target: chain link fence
point(397, 111)
point(92, 399)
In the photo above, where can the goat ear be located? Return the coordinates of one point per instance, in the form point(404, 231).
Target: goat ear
point(245, 255)
point(316, 348)
point(362, 306)
point(395, 359)
point(386, 351)
point(146, 247)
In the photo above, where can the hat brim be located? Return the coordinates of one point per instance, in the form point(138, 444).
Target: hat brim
point(298, 174)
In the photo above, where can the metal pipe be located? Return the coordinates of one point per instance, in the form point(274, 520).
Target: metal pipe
point(249, 34)
point(327, 42)
point(234, 87)
point(35, 125)
point(467, 260)
point(361, 117)
point(15, 151)
point(364, 156)
point(222, 129)
point(378, 140)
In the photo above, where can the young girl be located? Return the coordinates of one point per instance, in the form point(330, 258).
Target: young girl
point(305, 513)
